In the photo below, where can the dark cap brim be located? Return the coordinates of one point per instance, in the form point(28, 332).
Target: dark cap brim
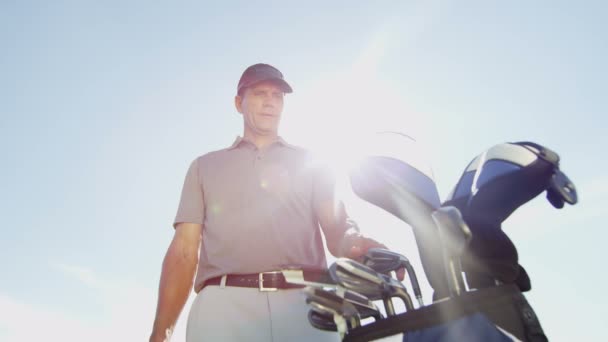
point(285, 87)
point(262, 72)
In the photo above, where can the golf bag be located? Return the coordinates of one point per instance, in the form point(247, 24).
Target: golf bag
point(493, 186)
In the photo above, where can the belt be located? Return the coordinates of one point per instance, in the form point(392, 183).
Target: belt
point(265, 281)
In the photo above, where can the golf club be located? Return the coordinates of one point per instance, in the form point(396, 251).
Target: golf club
point(321, 321)
point(364, 280)
point(455, 235)
point(364, 307)
point(385, 261)
point(344, 313)
point(297, 274)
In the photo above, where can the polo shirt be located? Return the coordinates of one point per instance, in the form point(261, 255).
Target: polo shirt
point(258, 208)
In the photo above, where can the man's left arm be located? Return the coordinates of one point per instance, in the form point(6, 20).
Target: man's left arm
point(341, 234)
point(342, 237)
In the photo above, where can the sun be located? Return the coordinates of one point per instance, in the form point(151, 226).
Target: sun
point(334, 115)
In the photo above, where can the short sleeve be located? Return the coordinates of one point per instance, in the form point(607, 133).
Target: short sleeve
point(191, 205)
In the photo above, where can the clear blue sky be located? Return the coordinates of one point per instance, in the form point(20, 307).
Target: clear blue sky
point(103, 104)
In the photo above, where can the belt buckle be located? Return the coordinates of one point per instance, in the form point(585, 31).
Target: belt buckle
point(261, 282)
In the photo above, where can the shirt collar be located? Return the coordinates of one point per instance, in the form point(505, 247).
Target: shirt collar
point(240, 140)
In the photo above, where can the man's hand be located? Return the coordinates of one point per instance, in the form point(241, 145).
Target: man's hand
point(342, 234)
point(160, 337)
point(355, 245)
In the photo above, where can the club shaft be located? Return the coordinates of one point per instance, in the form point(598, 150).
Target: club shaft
point(388, 306)
point(414, 280)
point(455, 277)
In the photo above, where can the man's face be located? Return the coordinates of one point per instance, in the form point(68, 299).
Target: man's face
point(261, 106)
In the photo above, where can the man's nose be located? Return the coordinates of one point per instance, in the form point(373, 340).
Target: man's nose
point(269, 101)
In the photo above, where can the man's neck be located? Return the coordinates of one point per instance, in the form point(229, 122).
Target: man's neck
point(261, 141)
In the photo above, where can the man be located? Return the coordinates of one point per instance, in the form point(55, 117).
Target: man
point(245, 211)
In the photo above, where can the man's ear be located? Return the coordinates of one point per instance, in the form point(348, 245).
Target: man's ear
point(238, 102)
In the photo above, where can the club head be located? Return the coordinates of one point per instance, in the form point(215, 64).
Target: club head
point(321, 321)
point(319, 310)
point(331, 302)
point(358, 278)
point(364, 306)
point(384, 261)
point(344, 314)
point(364, 280)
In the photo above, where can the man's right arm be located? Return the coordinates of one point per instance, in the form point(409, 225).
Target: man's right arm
point(176, 280)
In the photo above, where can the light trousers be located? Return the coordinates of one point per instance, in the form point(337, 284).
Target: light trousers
point(246, 314)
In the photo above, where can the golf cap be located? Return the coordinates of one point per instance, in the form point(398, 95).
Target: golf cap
point(262, 72)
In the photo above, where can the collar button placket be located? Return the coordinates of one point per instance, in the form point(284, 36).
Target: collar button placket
point(257, 156)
